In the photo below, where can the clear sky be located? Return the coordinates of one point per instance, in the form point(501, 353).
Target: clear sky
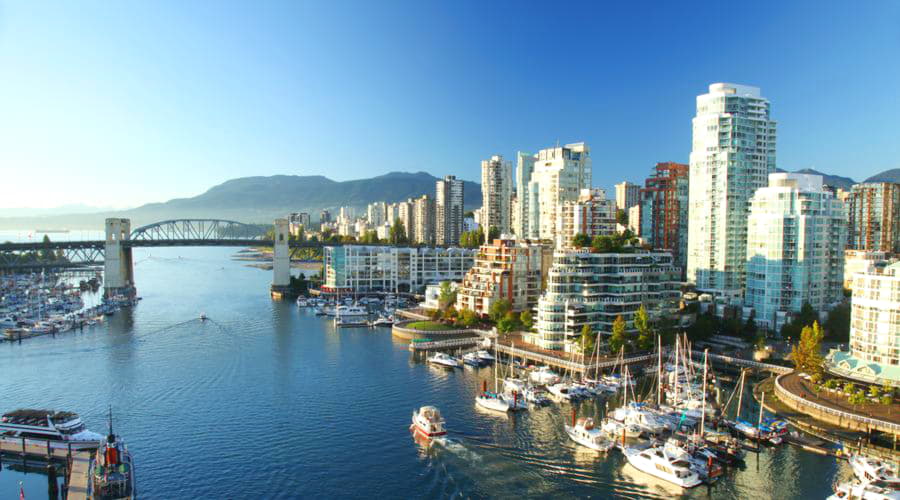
point(121, 103)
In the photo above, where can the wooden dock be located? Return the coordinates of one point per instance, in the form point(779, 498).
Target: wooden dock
point(77, 461)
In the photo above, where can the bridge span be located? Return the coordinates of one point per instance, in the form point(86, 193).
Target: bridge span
point(114, 252)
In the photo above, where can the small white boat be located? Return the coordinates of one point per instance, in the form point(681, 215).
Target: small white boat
point(561, 392)
point(428, 421)
point(545, 376)
point(301, 302)
point(656, 462)
point(614, 429)
point(501, 402)
point(586, 434)
point(471, 359)
point(443, 359)
point(383, 321)
point(203, 317)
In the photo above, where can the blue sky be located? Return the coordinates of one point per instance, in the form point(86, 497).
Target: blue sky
point(121, 103)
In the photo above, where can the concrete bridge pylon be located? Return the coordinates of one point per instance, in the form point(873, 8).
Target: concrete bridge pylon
point(281, 260)
point(118, 275)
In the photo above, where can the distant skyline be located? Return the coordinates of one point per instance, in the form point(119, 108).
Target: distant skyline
point(120, 104)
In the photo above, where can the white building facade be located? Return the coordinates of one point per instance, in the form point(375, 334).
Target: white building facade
point(796, 234)
point(627, 195)
point(732, 155)
point(369, 268)
point(592, 214)
point(559, 175)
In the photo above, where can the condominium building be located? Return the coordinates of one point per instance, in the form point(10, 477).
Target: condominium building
point(590, 288)
point(627, 195)
point(507, 269)
point(524, 169)
point(859, 261)
point(795, 248)
point(559, 175)
point(664, 210)
point(346, 214)
point(298, 221)
point(449, 212)
point(496, 193)
point(363, 268)
point(874, 354)
point(874, 217)
point(591, 214)
point(634, 220)
point(732, 155)
point(376, 212)
point(423, 220)
point(391, 213)
point(324, 216)
point(406, 213)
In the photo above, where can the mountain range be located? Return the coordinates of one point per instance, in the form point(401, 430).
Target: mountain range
point(261, 199)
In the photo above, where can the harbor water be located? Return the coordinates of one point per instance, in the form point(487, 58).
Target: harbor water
point(266, 400)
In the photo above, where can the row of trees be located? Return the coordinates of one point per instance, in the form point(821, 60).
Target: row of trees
point(475, 238)
point(43, 255)
point(618, 243)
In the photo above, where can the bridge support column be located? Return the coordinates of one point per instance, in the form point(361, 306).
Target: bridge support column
point(281, 261)
point(118, 275)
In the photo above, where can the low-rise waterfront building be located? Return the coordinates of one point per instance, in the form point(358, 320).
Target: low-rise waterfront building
point(795, 248)
point(592, 214)
point(593, 288)
point(507, 269)
point(367, 268)
point(874, 354)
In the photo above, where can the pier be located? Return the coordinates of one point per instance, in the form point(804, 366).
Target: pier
point(77, 462)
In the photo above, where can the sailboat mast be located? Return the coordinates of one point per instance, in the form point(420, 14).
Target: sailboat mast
point(703, 385)
point(740, 396)
point(659, 370)
point(675, 390)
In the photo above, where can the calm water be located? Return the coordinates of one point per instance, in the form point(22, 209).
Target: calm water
point(267, 401)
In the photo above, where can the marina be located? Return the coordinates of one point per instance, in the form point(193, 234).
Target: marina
point(211, 369)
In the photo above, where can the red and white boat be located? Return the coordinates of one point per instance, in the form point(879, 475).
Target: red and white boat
point(428, 421)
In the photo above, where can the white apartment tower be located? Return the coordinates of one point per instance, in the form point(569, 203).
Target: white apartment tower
point(796, 233)
point(524, 168)
point(560, 173)
point(448, 204)
point(496, 193)
point(627, 195)
point(732, 155)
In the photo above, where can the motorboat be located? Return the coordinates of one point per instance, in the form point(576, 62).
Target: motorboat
point(703, 462)
point(471, 359)
point(444, 359)
point(350, 310)
point(383, 321)
point(868, 490)
point(112, 470)
point(301, 302)
point(586, 434)
point(485, 356)
point(203, 317)
point(656, 462)
point(50, 425)
point(561, 392)
point(614, 429)
point(545, 376)
point(428, 421)
point(871, 469)
point(636, 413)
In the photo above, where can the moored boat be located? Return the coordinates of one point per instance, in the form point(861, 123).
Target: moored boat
point(112, 470)
point(428, 421)
point(443, 359)
point(583, 432)
point(62, 426)
point(656, 462)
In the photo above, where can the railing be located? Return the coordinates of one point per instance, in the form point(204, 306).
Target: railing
point(403, 329)
point(442, 344)
point(573, 365)
point(781, 370)
point(881, 424)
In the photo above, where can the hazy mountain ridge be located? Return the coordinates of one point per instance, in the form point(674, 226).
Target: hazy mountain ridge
point(263, 198)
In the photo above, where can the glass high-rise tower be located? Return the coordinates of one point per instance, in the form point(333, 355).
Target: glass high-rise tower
point(732, 156)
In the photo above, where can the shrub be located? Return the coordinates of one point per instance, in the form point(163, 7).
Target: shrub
point(849, 387)
point(874, 391)
point(887, 400)
point(831, 384)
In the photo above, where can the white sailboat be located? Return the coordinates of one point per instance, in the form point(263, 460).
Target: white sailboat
point(500, 401)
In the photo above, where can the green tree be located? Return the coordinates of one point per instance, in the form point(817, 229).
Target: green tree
point(603, 243)
point(526, 320)
point(618, 338)
point(849, 388)
point(508, 322)
point(806, 354)
point(750, 326)
point(370, 238)
point(499, 309)
point(493, 234)
point(447, 296)
point(622, 216)
point(397, 234)
point(581, 240)
point(588, 339)
point(837, 325)
point(645, 333)
point(857, 398)
point(874, 391)
point(47, 254)
point(467, 318)
point(450, 313)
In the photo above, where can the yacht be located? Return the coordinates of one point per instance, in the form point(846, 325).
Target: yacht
point(871, 469)
point(586, 434)
point(614, 429)
point(872, 490)
point(51, 425)
point(443, 359)
point(471, 359)
point(350, 310)
point(485, 356)
point(501, 402)
point(635, 413)
point(383, 321)
point(656, 462)
point(544, 375)
point(561, 392)
point(428, 421)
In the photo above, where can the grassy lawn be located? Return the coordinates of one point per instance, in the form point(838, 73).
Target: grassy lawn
point(429, 326)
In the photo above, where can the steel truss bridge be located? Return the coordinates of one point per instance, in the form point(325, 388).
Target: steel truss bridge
point(170, 233)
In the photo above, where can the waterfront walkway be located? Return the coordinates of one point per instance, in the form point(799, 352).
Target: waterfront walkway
point(802, 388)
